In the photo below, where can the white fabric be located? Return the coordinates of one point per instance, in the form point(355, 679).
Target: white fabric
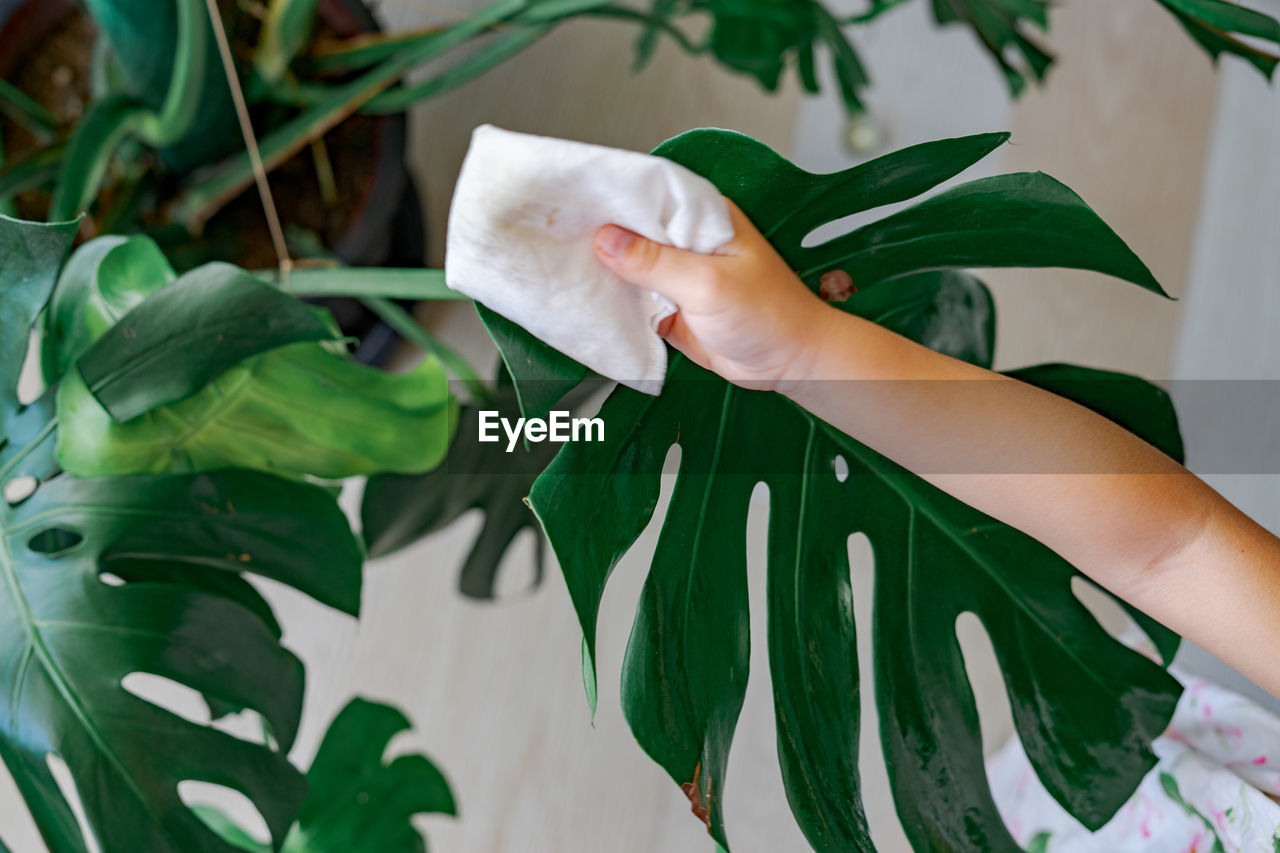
point(521, 225)
point(1216, 788)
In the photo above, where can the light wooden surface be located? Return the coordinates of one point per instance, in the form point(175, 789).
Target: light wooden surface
point(495, 690)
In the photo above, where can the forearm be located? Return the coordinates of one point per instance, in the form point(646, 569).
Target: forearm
point(1102, 498)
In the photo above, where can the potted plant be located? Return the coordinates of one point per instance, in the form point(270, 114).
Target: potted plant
point(128, 534)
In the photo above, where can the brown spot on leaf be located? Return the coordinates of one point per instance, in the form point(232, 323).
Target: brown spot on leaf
point(691, 790)
point(836, 286)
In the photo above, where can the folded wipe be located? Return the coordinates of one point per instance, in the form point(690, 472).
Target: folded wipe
point(520, 242)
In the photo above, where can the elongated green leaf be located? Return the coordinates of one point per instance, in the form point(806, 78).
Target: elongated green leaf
point(1085, 706)
point(1212, 24)
point(358, 802)
point(23, 109)
point(178, 339)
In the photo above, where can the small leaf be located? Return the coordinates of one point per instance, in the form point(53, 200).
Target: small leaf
point(181, 337)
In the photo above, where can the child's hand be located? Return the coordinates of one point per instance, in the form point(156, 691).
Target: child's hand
point(742, 312)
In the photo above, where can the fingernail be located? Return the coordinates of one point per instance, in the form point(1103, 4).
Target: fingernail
point(614, 241)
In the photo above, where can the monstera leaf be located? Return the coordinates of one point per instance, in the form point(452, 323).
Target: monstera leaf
point(399, 509)
point(301, 410)
point(106, 577)
point(1085, 706)
point(357, 802)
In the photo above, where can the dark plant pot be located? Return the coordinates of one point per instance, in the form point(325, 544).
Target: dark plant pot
point(385, 226)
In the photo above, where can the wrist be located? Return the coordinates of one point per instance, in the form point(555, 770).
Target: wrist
point(819, 332)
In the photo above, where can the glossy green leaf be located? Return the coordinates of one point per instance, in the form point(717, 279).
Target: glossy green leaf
point(103, 280)
point(358, 801)
point(299, 410)
point(178, 339)
point(72, 637)
point(107, 577)
point(1085, 706)
point(546, 374)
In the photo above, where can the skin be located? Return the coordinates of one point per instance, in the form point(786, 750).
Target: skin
point(1157, 536)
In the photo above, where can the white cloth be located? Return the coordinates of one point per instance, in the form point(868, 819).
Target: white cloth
point(521, 225)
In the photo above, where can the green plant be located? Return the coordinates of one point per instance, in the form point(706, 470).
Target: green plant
point(163, 90)
point(1085, 706)
point(356, 801)
point(143, 569)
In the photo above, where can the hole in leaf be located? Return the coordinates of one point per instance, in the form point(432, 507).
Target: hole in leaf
point(30, 384)
point(754, 775)
point(995, 715)
point(841, 466)
point(517, 570)
point(67, 786)
point(877, 796)
point(19, 489)
point(1109, 613)
point(218, 805)
point(110, 580)
point(54, 541)
point(168, 694)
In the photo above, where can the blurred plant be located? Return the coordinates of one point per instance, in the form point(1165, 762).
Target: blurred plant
point(1085, 706)
point(160, 87)
point(356, 801)
point(190, 434)
point(763, 37)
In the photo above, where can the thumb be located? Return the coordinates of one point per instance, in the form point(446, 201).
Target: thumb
point(664, 269)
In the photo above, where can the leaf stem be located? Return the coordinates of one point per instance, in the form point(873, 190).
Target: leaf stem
point(423, 285)
point(404, 324)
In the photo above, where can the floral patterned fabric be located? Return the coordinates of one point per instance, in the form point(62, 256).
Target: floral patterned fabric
point(1216, 788)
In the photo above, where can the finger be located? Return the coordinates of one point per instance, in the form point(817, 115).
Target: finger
point(746, 237)
point(674, 273)
point(679, 336)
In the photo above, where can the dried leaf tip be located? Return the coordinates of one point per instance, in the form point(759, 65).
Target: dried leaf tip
point(701, 812)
